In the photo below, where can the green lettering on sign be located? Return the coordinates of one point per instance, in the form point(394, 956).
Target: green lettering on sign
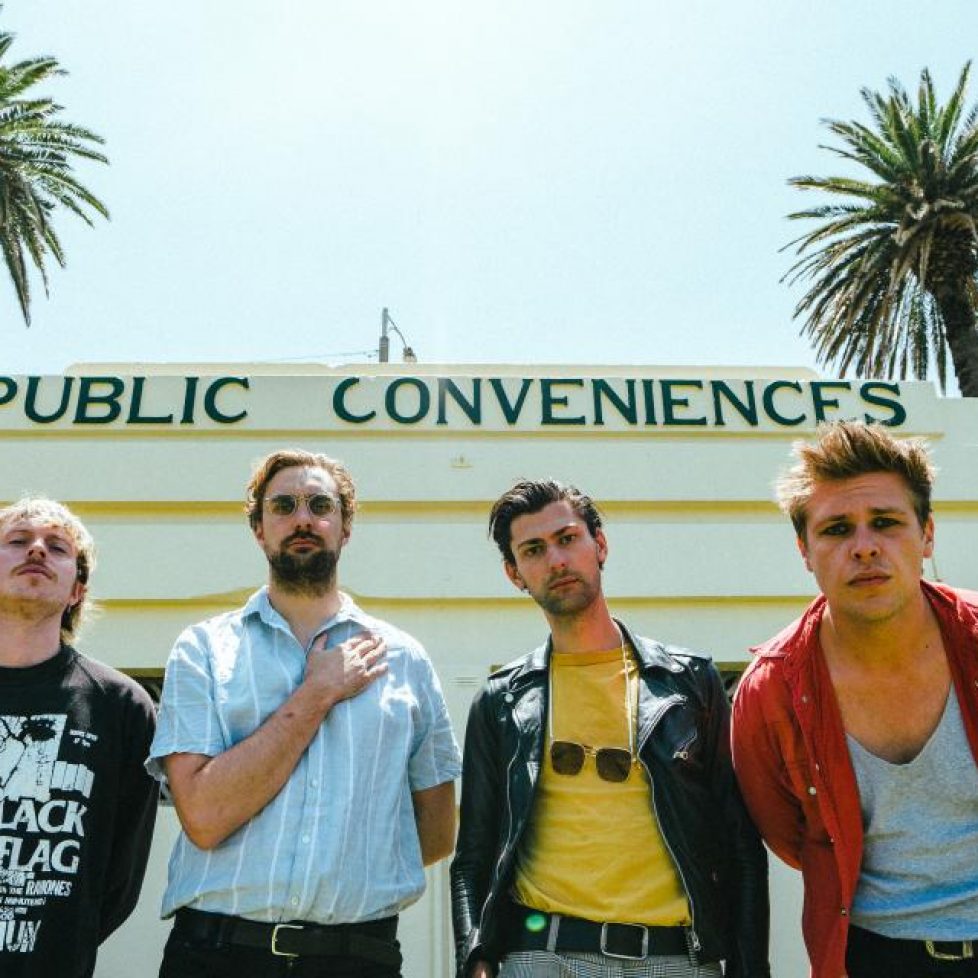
point(625, 406)
point(670, 402)
point(136, 405)
point(511, 411)
point(10, 389)
point(472, 410)
point(768, 400)
point(189, 399)
point(339, 403)
point(898, 413)
point(108, 400)
point(551, 400)
point(747, 410)
point(210, 400)
point(424, 400)
point(820, 401)
point(648, 386)
point(30, 404)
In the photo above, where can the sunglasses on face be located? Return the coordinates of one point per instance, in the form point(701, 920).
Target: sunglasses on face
point(285, 503)
point(613, 763)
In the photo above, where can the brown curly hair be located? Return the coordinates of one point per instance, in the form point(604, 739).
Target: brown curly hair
point(287, 458)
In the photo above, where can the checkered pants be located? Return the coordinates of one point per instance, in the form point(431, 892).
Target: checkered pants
point(571, 964)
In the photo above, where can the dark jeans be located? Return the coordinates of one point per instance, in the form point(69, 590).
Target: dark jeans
point(870, 955)
point(189, 958)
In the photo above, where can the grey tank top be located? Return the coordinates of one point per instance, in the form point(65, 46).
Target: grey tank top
point(919, 877)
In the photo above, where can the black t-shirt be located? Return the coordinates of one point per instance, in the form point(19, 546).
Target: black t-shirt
point(76, 811)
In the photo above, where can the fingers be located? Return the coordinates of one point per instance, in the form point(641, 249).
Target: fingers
point(354, 641)
point(375, 671)
point(363, 644)
point(365, 655)
point(347, 669)
point(360, 660)
point(373, 654)
point(372, 657)
point(359, 646)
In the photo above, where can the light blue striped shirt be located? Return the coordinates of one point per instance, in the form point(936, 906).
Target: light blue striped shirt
point(339, 842)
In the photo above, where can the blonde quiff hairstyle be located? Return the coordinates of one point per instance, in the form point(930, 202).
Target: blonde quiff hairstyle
point(287, 458)
point(846, 449)
point(53, 513)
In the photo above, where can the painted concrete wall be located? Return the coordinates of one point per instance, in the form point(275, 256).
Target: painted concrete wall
point(699, 555)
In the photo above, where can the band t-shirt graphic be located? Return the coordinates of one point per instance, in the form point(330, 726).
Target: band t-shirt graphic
point(44, 804)
point(76, 812)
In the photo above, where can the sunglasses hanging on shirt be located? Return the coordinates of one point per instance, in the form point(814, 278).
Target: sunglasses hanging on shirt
point(613, 764)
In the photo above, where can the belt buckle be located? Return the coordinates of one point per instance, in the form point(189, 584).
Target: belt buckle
point(275, 930)
point(967, 951)
point(625, 957)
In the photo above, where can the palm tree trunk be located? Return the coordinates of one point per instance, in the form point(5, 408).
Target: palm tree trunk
point(962, 336)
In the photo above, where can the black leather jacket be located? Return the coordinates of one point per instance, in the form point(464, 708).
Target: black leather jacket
point(683, 744)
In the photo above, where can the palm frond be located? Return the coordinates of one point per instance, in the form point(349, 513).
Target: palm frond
point(879, 264)
point(949, 115)
point(866, 147)
point(26, 74)
point(38, 152)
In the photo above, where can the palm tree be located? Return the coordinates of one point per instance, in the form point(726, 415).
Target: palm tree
point(36, 154)
point(892, 268)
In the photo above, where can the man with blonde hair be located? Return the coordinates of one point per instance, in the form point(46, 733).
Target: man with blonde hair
point(310, 756)
point(855, 729)
point(76, 807)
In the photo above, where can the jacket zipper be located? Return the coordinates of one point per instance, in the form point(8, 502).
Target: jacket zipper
point(681, 753)
point(668, 705)
point(497, 872)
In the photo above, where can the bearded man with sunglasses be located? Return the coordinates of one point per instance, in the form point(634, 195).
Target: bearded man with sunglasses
point(601, 832)
point(310, 757)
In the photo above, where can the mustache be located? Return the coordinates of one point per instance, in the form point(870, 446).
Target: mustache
point(33, 562)
point(563, 577)
point(302, 535)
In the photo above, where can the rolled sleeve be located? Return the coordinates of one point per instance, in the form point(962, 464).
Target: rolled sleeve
point(188, 718)
point(435, 756)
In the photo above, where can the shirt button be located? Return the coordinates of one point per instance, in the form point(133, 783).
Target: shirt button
point(845, 913)
point(295, 902)
point(313, 783)
point(804, 699)
point(508, 697)
point(305, 840)
point(811, 789)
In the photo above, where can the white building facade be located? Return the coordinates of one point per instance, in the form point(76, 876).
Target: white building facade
point(155, 460)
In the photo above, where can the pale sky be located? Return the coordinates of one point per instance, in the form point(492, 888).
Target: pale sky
point(519, 182)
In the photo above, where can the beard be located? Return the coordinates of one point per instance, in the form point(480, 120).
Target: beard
point(310, 574)
point(570, 602)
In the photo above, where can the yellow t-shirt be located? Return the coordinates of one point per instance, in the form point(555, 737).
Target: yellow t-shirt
point(593, 848)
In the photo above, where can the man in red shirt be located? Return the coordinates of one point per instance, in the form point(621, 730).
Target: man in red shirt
point(855, 730)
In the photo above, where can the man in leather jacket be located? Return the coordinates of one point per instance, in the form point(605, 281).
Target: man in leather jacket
point(601, 826)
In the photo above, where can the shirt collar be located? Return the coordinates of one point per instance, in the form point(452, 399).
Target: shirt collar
point(260, 605)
